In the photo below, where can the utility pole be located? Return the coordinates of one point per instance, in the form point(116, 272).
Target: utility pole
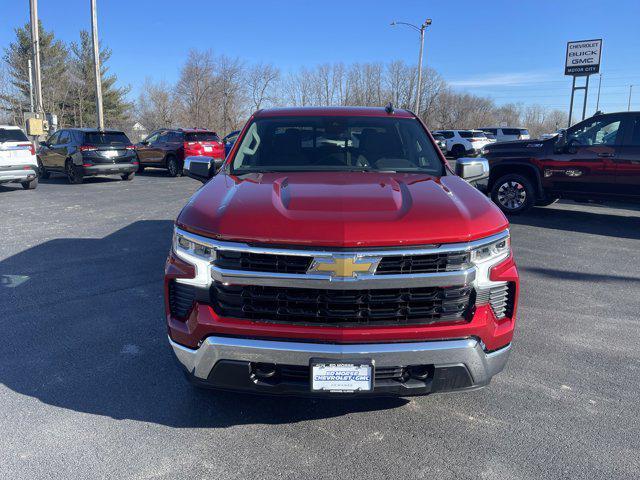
point(420, 29)
point(35, 46)
point(629, 104)
point(30, 86)
point(598, 100)
point(96, 63)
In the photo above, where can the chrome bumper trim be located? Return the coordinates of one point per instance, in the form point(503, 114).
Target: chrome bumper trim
point(440, 279)
point(469, 352)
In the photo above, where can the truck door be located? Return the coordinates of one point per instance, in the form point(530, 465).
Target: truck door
point(587, 163)
point(628, 160)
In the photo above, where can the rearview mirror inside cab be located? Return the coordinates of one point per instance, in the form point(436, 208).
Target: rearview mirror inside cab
point(472, 169)
point(199, 168)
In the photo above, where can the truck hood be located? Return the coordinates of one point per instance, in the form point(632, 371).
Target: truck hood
point(352, 209)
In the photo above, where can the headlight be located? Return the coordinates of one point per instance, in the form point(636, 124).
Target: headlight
point(189, 247)
point(198, 254)
point(486, 257)
point(492, 251)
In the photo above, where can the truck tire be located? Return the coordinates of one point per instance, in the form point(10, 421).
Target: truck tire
point(513, 193)
point(31, 185)
point(75, 177)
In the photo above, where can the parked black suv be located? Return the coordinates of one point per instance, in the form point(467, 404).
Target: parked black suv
point(81, 152)
point(596, 159)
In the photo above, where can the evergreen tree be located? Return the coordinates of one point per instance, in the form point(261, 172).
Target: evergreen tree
point(55, 79)
point(115, 106)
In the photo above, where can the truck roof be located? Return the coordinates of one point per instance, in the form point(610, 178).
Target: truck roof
point(332, 112)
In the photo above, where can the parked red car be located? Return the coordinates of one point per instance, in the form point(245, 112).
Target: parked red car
point(336, 253)
point(168, 148)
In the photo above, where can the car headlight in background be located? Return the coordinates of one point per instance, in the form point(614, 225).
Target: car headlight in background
point(196, 253)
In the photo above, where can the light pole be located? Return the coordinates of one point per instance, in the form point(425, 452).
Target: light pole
point(96, 64)
point(421, 30)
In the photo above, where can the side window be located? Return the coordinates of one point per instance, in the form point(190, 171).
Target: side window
point(152, 138)
point(53, 139)
point(64, 138)
point(635, 134)
point(164, 137)
point(176, 137)
point(447, 134)
point(601, 131)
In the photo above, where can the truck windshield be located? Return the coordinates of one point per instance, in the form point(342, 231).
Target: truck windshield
point(336, 144)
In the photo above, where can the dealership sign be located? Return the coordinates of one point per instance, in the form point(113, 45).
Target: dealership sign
point(583, 57)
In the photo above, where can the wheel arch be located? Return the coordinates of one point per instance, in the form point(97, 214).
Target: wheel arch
point(524, 169)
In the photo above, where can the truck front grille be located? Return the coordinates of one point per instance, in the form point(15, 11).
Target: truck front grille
point(260, 262)
point(389, 265)
point(437, 262)
point(343, 308)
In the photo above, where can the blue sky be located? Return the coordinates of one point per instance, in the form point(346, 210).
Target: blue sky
point(509, 50)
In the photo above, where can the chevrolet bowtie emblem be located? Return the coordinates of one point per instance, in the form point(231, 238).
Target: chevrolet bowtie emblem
point(344, 267)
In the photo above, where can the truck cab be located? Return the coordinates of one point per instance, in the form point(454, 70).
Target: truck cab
point(596, 159)
point(336, 253)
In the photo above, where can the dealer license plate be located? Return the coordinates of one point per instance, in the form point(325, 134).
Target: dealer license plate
point(208, 149)
point(110, 153)
point(341, 377)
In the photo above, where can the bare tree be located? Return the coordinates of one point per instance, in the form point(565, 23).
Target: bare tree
point(262, 82)
point(194, 86)
point(156, 106)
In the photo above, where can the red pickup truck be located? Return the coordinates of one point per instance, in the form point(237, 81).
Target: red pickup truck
point(336, 253)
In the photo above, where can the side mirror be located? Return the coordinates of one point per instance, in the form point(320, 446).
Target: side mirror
point(561, 141)
point(472, 169)
point(199, 168)
point(44, 144)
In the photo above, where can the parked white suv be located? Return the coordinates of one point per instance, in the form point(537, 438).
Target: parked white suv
point(18, 161)
point(507, 134)
point(464, 142)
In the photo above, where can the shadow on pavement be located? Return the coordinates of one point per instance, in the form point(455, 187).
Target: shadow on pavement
point(578, 276)
point(597, 223)
point(83, 330)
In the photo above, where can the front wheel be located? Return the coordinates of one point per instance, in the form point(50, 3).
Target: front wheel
point(31, 185)
point(128, 176)
point(513, 193)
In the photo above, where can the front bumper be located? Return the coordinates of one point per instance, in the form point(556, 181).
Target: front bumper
point(109, 169)
point(17, 173)
point(230, 363)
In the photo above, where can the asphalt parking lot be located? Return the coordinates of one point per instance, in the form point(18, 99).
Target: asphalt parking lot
point(89, 387)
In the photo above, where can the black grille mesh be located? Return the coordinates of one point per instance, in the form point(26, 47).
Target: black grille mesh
point(343, 307)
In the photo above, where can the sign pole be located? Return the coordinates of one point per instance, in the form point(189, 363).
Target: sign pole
point(573, 91)
point(586, 93)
